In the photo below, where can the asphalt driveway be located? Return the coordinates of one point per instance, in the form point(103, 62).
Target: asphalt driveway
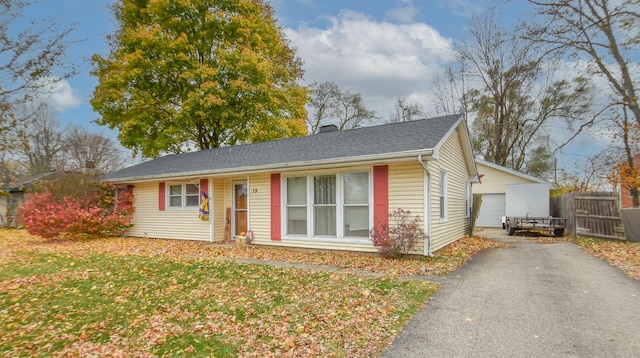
point(528, 300)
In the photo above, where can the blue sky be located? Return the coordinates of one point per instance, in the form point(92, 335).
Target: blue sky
point(380, 48)
point(384, 26)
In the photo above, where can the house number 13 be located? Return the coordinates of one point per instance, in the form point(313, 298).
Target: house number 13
point(254, 190)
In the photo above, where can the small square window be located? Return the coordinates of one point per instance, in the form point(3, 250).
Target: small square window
point(184, 195)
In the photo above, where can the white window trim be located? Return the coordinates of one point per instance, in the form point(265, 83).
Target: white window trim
point(183, 196)
point(340, 236)
point(443, 196)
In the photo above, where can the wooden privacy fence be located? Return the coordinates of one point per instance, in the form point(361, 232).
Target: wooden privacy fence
point(594, 214)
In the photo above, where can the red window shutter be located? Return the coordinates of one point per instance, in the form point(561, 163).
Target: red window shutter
point(161, 196)
point(380, 197)
point(276, 232)
point(204, 186)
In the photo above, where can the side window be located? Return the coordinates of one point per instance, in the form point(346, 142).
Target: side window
point(469, 200)
point(443, 195)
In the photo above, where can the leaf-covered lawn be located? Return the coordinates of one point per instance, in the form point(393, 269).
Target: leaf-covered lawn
point(145, 297)
point(623, 254)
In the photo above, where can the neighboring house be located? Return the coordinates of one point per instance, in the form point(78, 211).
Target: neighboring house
point(493, 186)
point(13, 196)
point(626, 187)
point(323, 191)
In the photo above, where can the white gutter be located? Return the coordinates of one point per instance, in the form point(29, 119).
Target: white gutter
point(427, 205)
point(365, 159)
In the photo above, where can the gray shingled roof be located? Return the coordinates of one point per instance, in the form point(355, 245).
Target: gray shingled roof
point(385, 139)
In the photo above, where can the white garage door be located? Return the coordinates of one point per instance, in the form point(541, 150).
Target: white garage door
point(491, 210)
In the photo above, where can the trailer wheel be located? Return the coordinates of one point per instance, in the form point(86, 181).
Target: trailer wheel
point(510, 230)
point(558, 232)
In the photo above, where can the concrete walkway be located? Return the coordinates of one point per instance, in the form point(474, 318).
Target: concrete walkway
point(530, 299)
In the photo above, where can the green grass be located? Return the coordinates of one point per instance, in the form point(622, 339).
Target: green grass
point(54, 303)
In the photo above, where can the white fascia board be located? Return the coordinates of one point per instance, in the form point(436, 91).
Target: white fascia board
point(513, 172)
point(315, 164)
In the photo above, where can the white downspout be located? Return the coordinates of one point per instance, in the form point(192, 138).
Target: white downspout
point(427, 204)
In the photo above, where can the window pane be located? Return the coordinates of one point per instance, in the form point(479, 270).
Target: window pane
point(175, 201)
point(192, 200)
point(356, 188)
point(324, 189)
point(356, 221)
point(240, 196)
point(192, 189)
point(297, 191)
point(175, 190)
point(325, 220)
point(297, 221)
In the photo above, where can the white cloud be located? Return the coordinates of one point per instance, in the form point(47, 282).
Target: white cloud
point(406, 12)
point(59, 95)
point(380, 60)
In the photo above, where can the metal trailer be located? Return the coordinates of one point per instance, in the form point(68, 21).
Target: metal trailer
point(527, 208)
point(551, 224)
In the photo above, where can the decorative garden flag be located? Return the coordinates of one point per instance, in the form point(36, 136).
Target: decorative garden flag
point(204, 206)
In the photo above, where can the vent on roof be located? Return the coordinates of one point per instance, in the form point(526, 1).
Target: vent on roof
point(328, 128)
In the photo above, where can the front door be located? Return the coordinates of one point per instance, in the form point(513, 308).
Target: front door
point(239, 208)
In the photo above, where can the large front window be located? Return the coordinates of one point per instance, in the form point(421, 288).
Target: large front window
point(330, 206)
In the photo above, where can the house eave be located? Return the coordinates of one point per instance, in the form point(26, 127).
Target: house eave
point(315, 164)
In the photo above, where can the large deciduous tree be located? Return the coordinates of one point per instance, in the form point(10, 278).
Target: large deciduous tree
point(30, 53)
point(331, 104)
point(603, 32)
point(406, 111)
point(41, 144)
point(626, 146)
point(508, 92)
point(83, 147)
point(198, 74)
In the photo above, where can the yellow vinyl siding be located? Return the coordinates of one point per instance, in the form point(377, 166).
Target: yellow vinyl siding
point(406, 191)
point(149, 221)
point(495, 181)
point(219, 211)
point(456, 225)
point(260, 207)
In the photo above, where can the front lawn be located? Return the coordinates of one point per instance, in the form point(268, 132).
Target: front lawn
point(623, 254)
point(146, 297)
point(143, 298)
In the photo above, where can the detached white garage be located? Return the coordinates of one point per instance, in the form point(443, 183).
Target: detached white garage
point(493, 187)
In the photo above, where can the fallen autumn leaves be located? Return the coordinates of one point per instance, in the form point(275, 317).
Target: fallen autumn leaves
point(144, 297)
point(625, 255)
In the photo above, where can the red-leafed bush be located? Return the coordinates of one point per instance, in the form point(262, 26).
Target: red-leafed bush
point(77, 207)
point(398, 238)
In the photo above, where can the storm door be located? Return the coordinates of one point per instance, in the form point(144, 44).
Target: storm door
point(239, 208)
